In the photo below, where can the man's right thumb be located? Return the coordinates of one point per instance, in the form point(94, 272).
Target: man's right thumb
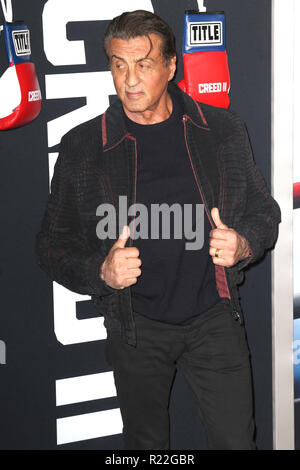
point(121, 242)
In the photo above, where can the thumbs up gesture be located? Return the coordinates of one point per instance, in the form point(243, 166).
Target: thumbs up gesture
point(226, 246)
point(121, 267)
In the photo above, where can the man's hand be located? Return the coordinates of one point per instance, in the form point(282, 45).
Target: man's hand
point(121, 266)
point(227, 247)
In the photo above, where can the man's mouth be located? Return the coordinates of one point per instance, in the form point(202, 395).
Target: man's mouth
point(133, 95)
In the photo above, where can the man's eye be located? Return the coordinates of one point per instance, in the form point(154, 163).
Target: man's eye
point(119, 66)
point(144, 66)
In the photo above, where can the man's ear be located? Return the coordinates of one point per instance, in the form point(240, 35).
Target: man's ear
point(172, 67)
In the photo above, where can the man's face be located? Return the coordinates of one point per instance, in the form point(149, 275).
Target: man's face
point(140, 78)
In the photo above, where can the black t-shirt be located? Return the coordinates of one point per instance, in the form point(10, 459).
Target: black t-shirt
point(176, 283)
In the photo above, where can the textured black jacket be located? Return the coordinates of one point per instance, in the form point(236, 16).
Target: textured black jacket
point(98, 162)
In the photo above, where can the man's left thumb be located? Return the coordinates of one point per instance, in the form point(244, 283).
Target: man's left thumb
point(216, 218)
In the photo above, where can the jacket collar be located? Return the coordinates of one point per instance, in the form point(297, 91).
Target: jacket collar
point(114, 129)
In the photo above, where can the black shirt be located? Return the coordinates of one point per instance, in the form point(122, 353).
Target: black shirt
point(176, 284)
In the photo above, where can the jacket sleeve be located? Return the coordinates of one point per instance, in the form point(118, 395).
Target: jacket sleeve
point(259, 223)
point(61, 250)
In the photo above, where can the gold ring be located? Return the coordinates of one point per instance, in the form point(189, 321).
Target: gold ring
point(217, 252)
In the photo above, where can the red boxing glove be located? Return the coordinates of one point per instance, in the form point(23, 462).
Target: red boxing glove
point(20, 94)
point(205, 65)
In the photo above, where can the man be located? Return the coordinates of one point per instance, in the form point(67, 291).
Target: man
point(164, 306)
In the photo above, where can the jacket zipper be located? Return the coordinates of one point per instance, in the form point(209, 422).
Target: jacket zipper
point(235, 313)
point(184, 119)
point(135, 182)
point(134, 202)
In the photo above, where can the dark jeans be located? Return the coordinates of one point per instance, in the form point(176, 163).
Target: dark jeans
point(213, 355)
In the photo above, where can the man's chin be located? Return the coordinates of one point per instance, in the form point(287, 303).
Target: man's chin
point(135, 107)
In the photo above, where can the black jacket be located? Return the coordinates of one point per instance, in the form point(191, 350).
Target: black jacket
point(97, 163)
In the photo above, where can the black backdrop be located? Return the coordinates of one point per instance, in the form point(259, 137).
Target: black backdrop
point(34, 357)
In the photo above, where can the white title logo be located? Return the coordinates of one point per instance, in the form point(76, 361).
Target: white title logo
point(208, 33)
point(21, 42)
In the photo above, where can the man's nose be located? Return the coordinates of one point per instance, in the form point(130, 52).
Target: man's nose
point(132, 77)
